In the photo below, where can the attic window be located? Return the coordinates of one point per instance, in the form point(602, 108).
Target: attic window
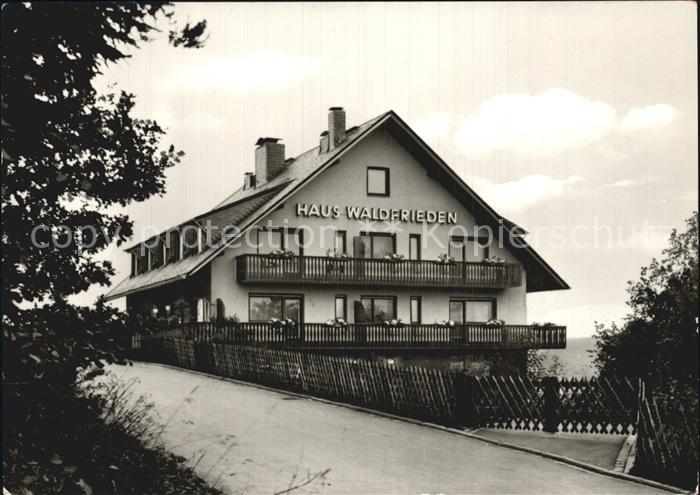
point(377, 181)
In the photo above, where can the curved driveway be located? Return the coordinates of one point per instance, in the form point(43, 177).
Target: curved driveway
point(248, 440)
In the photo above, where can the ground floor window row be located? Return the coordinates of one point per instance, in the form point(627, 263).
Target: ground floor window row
point(367, 308)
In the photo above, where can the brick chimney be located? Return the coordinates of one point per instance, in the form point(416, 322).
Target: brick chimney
point(248, 181)
point(336, 126)
point(269, 159)
point(323, 142)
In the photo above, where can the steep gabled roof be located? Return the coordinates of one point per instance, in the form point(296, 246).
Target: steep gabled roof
point(244, 208)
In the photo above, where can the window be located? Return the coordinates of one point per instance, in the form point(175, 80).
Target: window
point(270, 239)
point(416, 310)
point(468, 248)
point(414, 247)
point(190, 240)
point(172, 248)
point(156, 255)
point(265, 307)
point(377, 181)
point(377, 245)
point(378, 309)
point(220, 310)
point(341, 307)
point(141, 261)
point(340, 244)
point(474, 310)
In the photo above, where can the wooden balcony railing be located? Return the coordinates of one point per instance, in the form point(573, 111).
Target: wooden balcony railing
point(321, 270)
point(378, 336)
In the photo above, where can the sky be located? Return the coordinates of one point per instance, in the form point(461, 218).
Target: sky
point(578, 121)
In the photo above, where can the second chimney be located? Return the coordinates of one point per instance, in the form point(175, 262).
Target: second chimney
point(269, 159)
point(336, 126)
point(248, 181)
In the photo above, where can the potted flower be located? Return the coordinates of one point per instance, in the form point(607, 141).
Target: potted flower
point(445, 323)
point(394, 257)
point(335, 260)
point(283, 325)
point(445, 259)
point(276, 255)
point(493, 322)
point(547, 324)
point(493, 260)
point(394, 323)
point(336, 322)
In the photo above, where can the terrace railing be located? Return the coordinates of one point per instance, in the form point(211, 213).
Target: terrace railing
point(323, 270)
point(378, 336)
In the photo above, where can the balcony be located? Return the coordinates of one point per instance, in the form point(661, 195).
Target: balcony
point(322, 270)
point(476, 336)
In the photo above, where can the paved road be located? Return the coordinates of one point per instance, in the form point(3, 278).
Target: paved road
point(254, 441)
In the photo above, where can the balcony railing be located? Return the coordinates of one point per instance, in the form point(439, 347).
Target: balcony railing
point(321, 270)
point(378, 336)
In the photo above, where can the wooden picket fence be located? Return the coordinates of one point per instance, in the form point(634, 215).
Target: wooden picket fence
point(667, 442)
point(514, 402)
point(667, 445)
point(416, 392)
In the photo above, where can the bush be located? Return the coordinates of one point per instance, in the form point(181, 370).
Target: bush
point(97, 439)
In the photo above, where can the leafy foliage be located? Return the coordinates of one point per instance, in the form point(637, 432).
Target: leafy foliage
point(658, 340)
point(71, 157)
point(99, 441)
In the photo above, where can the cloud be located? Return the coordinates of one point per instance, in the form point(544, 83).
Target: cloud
point(261, 70)
point(646, 179)
point(524, 192)
point(540, 125)
point(649, 117)
point(534, 126)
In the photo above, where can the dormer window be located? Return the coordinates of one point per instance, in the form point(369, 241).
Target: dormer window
point(190, 240)
point(156, 255)
point(172, 247)
point(377, 181)
point(139, 261)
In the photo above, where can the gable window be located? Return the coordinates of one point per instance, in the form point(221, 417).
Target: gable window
point(377, 309)
point(377, 181)
point(262, 308)
point(341, 307)
point(472, 310)
point(414, 247)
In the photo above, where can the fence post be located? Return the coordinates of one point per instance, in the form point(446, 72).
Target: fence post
point(464, 389)
point(550, 413)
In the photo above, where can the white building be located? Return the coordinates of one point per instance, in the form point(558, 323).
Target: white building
point(368, 226)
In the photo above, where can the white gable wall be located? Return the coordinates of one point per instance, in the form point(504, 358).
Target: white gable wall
point(345, 185)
